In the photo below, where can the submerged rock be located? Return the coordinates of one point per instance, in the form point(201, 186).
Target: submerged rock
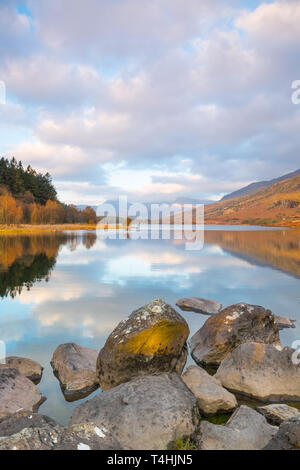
point(148, 412)
point(246, 430)
point(17, 392)
point(75, 368)
point(198, 305)
point(287, 437)
point(262, 371)
point(277, 414)
point(211, 397)
point(235, 325)
point(54, 437)
point(27, 367)
point(151, 340)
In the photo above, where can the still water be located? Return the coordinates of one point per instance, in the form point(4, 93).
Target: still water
point(76, 287)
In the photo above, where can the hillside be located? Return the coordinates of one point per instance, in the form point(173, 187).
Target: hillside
point(29, 197)
point(26, 184)
point(254, 187)
point(277, 205)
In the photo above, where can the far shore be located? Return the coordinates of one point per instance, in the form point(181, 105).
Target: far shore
point(10, 229)
point(23, 228)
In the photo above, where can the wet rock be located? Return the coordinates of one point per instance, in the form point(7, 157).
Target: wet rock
point(14, 423)
point(246, 430)
point(148, 412)
point(54, 437)
point(212, 398)
point(151, 340)
point(277, 414)
point(235, 325)
point(31, 369)
point(17, 392)
point(75, 368)
point(283, 322)
point(198, 305)
point(262, 371)
point(287, 437)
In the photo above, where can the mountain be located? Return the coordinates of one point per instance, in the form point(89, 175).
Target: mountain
point(187, 200)
point(278, 205)
point(254, 187)
point(180, 201)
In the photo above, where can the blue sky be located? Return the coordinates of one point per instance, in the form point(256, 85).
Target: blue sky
point(150, 99)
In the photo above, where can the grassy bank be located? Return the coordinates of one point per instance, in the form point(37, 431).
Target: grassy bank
point(10, 229)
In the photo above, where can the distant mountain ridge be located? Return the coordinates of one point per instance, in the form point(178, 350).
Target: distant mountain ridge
point(180, 201)
point(254, 187)
point(276, 205)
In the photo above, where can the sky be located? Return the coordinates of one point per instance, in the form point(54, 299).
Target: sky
point(152, 99)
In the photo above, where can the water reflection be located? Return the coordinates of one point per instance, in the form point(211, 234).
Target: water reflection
point(280, 249)
point(75, 287)
point(26, 260)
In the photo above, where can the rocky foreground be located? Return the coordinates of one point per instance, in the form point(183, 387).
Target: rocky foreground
point(148, 400)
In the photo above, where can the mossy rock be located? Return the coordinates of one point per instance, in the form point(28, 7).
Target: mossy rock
point(151, 340)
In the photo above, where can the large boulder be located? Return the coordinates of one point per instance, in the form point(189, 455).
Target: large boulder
point(277, 414)
point(151, 340)
point(246, 430)
point(198, 305)
point(148, 412)
point(235, 325)
point(75, 368)
point(262, 371)
point(287, 437)
point(54, 437)
point(31, 369)
point(211, 397)
point(17, 392)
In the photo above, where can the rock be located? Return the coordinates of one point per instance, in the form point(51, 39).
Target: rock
point(148, 412)
point(277, 414)
point(262, 371)
point(198, 305)
point(17, 392)
point(14, 423)
point(54, 437)
point(31, 369)
point(43, 438)
point(283, 322)
point(75, 368)
point(246, 430)
point(87, 436)
point(211, 397)
point(287, 437)
point(151, 340)
point(235, 325)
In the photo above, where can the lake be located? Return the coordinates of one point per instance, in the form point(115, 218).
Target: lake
point(76, 287)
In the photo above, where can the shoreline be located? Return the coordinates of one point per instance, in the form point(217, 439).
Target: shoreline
point(12, 229)
point(23, 228)
point(19, 229)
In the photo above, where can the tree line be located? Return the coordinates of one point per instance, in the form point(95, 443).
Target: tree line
point(29, 197)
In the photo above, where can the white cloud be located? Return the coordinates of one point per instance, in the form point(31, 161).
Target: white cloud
point(205, 84)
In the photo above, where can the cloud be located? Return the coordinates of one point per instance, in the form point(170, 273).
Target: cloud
point(193, 101)
point(97, 29)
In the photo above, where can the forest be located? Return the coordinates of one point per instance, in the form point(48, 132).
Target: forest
point(29, 197)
